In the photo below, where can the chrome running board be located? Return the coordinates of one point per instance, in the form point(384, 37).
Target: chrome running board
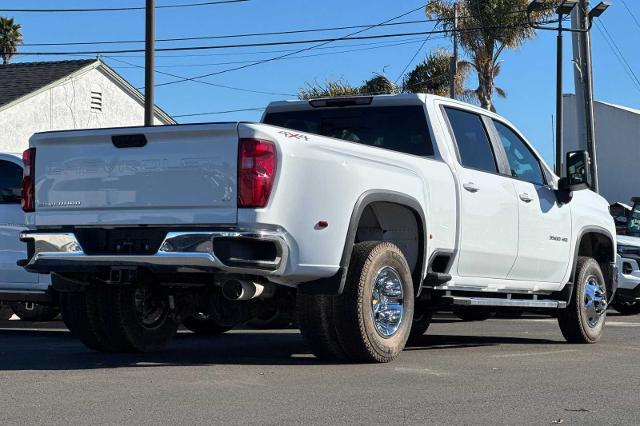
point(508, 303)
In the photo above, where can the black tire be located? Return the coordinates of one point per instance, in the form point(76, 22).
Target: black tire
point(79, 313)
point(36, 313)
point(354, 321)
point(205, 325)
point(625, 307)
point(315, 319)
point(578, 323)
point(5, 312)
point(420, 324)
point(474, 314)
point(137, 318)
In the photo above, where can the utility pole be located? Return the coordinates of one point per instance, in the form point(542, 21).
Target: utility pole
point(149, 63)
point(454, 59)
point(583, 78)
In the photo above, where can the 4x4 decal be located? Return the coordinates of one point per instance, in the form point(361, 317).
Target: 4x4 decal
point(293, 135)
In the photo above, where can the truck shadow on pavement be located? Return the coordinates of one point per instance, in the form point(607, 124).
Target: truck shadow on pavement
point(58, 350)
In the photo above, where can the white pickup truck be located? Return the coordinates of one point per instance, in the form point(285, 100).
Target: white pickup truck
point(376, 210)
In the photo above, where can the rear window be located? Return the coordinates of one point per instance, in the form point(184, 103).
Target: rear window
point(399, 128)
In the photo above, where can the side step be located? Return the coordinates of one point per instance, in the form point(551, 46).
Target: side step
point(509, 303)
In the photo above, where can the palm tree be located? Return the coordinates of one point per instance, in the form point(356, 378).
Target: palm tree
point(379, 84)
point(486, 29)
point(328, 89)
point(433, 75)
point(10, 38)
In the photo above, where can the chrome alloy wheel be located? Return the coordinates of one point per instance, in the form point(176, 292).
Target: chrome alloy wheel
point(595, 300)
point(387, 301)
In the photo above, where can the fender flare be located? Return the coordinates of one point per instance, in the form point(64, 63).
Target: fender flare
point(612, 286)
point(334, 285)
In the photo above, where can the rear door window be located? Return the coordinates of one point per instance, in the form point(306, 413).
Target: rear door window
point(398, 128)
point(472, 140)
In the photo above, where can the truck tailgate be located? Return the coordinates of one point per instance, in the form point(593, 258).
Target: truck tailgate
point(182, 175)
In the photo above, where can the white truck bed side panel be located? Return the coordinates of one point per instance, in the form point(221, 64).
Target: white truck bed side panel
point(322, 179)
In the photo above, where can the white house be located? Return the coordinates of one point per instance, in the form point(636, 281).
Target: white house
point(618, 147)
point(63, 95)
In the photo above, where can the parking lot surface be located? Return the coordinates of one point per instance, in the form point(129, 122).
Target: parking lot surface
point(494, 372)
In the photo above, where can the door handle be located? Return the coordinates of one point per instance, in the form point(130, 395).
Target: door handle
point(526, 197)
point(471, 187)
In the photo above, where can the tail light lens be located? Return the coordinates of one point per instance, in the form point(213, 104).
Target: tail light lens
point(257, 161)
point(28, 180)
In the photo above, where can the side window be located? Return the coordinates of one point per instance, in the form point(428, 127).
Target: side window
point(10, 183)
point(522, 162)
point(472, 140)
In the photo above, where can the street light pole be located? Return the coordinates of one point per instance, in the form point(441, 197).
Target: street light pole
point(559, 106)
point(149, 63)
point(586, 87)
point(565, 8)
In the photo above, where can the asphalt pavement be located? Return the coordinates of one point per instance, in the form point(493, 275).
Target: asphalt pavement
point(493, 372)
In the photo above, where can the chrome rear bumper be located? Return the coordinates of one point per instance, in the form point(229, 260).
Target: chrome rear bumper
point(179, 251)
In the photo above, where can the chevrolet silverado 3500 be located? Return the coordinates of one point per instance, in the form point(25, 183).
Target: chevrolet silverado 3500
point(377, 211)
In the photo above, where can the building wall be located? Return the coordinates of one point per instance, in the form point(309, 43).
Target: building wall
point(68, 106)
point(617, 148)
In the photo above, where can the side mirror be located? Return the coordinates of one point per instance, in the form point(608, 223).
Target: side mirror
point(578, 170)
point(578, 176)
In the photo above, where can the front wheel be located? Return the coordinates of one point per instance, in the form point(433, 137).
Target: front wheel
point(34, 311)
point(626, 307)
point(582, 321)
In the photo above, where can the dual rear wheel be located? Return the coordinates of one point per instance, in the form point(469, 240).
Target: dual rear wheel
point(120, 318)
point(372, 319)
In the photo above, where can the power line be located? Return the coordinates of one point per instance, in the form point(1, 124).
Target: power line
point(376, 46)
point(244, 35)
point(240, 89)
point(262, 52)
point(165, 40)
point(415, 55)
point(235, 46)
point(125, 9)
point(276, 58)
point(199, 114)
point(633, 16)
point(618, 53)
point(306, 49)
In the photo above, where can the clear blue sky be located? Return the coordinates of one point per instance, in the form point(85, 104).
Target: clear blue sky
point(528, 74)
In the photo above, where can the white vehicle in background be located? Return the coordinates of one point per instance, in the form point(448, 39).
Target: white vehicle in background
point(26, 293)
point(378, 211)
point(627, 300)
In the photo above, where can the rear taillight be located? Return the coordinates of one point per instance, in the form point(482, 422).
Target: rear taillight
point(28, 180)
point(257, 161)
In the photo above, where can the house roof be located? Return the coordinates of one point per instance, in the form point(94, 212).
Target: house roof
point(23, 79)
point(20, 79)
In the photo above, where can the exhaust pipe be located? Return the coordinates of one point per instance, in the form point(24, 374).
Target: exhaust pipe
point(237, 290)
